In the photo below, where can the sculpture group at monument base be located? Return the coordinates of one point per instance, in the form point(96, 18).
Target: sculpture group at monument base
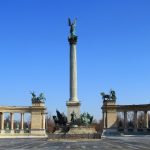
point(38, 132)
point(82, 130)
point(110, 132)
point(75, 136)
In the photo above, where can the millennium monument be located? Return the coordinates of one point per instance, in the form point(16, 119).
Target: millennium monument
point(73, 105)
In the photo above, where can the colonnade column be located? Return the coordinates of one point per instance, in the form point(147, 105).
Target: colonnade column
point(43, 123)
point(145, 119)
point(125, 121)
point(135, 121)
point(2, 122)
point(12, 122)
point(22, 123)
point(104, 120)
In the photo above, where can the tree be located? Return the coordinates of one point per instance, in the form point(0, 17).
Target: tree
point(98, 125)
point(50, 125)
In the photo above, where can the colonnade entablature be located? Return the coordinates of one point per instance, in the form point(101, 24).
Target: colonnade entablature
point(37, 114)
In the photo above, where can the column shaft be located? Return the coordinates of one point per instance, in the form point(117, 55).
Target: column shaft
point(22, 121)
point(2, 121)
point(12, 121)
point(125, 120)
point(73, 73)
point(104, 120)
point(43, 125)
point(145, 119)
point(135, 121)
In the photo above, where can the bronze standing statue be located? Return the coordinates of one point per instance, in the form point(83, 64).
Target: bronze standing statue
point(72, 27)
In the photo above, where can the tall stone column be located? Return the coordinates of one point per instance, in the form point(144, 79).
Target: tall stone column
point(12, 122)
point(73, 105)
point(2, 123)
point(135, 121)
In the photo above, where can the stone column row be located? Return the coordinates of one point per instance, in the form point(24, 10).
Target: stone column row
point(12, 121)
point(135, 120)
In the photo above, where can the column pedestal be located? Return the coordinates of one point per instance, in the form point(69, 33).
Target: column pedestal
point(73, 106)
point(2, 131)
point(22, 131)
point(12, 131)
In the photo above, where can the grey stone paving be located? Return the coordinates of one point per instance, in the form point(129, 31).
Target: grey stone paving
point(113, 143)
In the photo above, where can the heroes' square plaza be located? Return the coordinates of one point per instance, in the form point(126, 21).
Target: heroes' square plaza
point(74, 83)
point(122, 128)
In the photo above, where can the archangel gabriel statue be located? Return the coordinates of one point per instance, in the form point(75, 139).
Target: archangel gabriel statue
point(72, 26)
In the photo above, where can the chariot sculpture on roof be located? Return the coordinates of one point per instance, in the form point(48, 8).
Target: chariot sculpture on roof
point(38, 99)
point(111, 96)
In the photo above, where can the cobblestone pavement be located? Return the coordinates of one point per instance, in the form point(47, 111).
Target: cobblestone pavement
point(113, 143)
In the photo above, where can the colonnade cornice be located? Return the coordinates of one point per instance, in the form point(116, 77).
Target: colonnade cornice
point(19, 109)
point(123, 108)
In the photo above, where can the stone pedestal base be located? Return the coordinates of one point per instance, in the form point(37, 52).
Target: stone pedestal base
point(135, 130)
point(2, 131)
point(73, 106)
point(38, 132)
point(12, 131)
point(22, 131)
point(110, 132)
point(145, 129)
point(82, 130)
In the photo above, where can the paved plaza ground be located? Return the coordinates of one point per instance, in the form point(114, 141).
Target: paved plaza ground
point(113, 143)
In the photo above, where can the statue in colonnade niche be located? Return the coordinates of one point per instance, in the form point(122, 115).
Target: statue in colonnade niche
point(7, 125)
point(17, 125)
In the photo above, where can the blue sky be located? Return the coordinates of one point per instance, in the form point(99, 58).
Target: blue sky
point(113, 51)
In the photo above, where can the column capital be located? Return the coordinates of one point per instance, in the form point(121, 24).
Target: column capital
point(72, 39)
